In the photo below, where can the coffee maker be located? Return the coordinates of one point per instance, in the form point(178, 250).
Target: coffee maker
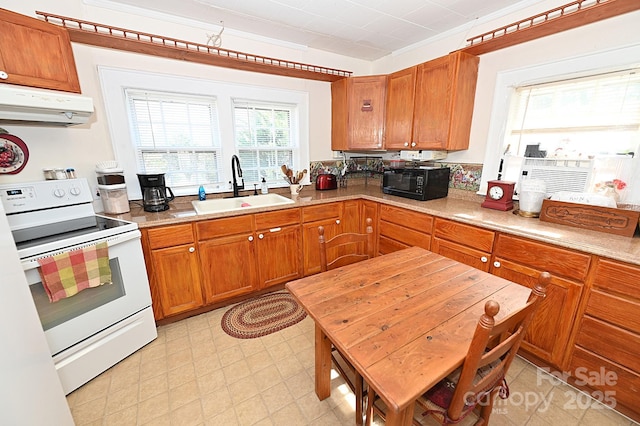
point(154, 192)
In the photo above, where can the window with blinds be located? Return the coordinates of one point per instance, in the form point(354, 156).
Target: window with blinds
point(177, 135)
point(265, 139)
point(578, 118)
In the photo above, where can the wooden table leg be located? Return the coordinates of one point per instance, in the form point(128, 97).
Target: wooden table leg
point(323, 365)
point(401, 418)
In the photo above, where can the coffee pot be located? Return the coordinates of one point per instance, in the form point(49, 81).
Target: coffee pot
point(155, 194)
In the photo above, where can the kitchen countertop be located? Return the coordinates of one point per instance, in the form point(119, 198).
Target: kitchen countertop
point(461, 206)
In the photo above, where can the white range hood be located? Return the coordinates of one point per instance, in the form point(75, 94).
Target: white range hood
point(23, 105)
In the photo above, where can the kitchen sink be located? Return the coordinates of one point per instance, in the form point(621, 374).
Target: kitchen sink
point(221, 205)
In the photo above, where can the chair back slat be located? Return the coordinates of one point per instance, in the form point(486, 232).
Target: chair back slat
point(345, 249)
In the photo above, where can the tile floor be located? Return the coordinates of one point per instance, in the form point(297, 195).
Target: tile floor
point(195, 374)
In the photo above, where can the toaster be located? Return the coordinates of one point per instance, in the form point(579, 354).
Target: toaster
point(326, 181)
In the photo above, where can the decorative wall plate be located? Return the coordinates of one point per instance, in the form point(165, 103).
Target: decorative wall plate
point(14, 154)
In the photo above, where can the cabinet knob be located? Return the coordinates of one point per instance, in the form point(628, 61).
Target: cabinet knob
point(261, 236)
point(413, 144)
point(192, 249)
point(250, 238)
point(496, 264)
point(337, 221)
point(406, 144)
point(4, 75)
point(484, 259)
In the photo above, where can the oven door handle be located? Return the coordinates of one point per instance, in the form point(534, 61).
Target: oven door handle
point(32, 262)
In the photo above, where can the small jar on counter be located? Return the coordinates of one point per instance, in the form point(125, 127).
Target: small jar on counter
point(59, 174)
point(71, 173)
point(49, 174)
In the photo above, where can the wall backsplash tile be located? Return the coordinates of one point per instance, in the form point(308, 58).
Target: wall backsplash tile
point(463, 176)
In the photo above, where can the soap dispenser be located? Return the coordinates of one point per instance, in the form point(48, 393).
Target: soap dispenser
point(263, 187)
point(201, 194)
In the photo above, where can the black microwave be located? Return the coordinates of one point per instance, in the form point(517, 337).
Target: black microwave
point(424, 183)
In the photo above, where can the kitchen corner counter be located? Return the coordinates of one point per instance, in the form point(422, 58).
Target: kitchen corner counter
point(460, 206)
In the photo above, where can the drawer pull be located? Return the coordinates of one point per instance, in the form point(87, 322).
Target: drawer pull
point(484, 259)
point(278, 229)
point(4, 75)
point(496, 264)
point(337, 221)
point(192, 249)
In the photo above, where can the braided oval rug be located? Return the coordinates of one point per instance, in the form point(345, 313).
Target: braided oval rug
point(262, 315)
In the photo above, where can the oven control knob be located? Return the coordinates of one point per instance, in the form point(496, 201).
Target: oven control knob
point(59, 192)
point(74, 190)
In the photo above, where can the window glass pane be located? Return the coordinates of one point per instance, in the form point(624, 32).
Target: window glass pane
point(177, 135)
point(263, 135)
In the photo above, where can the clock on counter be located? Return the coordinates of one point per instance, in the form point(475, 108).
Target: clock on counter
point(499, 195)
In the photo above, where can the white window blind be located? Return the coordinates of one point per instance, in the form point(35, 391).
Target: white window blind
point(577, 118)
point(177, 135)
point(265, 138)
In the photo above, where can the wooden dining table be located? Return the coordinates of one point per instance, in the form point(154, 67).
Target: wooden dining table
point(404, 320)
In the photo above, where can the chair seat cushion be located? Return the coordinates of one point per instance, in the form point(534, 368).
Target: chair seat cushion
point(437, 399)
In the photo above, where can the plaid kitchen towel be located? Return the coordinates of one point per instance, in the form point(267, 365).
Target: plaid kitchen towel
point(66, 274)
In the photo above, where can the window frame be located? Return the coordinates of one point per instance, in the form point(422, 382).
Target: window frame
point(568, 68)
point(114, 81)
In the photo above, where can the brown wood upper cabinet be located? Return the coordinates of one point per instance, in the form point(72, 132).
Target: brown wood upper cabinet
point(429, 106)
point(357, 113)
point(36, 53)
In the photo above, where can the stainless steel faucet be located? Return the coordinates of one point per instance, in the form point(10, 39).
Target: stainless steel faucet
point(235, 162)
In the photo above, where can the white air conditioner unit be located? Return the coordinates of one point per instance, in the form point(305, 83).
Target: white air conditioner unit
point(558, 174)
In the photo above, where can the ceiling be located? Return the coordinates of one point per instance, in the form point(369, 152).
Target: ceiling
point(365, 29)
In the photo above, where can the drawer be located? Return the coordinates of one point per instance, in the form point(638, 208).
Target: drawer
point(467, 255)
point(600, 337)
point(543, 257)
point(169, 236)
point(321, 212)
point(221, 227)
point(409, 237)
point(614, 309)
point(471, 236)
point(617, 277)
point(409, 219)
point(277, 218)
point(619, 382)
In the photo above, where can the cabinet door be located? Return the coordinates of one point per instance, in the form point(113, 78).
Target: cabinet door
point(177, 278)
point(398, 128)
point(279, 252)
point(228, 266)
point(365, 115)
point(339, 115)
point(36, 53)
point(445, 92)
point(521, 261)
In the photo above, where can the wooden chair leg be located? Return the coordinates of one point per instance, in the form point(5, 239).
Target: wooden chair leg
point(486, 409)
point(359, 397)
point(371, 398)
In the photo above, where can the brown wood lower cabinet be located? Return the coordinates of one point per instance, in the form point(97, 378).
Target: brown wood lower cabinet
point(174, 270)
point(401, 228)
point(327, 215)
point(607, 341)
point(279, 247)
point(521, 261)
point(465, 243)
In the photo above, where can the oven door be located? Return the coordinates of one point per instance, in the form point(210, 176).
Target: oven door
point(76, 318)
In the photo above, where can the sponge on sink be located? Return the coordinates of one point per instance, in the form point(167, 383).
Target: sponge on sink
point(245, 205)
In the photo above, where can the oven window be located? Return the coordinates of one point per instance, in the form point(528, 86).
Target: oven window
point(54, 314)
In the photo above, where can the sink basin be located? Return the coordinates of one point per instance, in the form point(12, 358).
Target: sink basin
point(221, 205)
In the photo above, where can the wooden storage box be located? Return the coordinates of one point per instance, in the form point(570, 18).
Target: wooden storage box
point(603, 219)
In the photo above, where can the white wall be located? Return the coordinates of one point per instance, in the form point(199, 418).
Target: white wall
point(81, 147)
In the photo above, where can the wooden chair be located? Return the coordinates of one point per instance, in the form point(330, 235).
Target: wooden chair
point(341, 250)
point(482, 375)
